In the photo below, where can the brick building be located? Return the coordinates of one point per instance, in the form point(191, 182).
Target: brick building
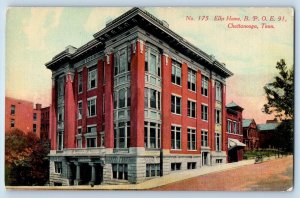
point(250, 134)
point(267, 133)
point(234, 117)
point(136, 102)
point(21, 114)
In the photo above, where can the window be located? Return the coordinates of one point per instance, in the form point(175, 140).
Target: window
point(60, 114)
point(152, 135)
point(191, 165)
point(175, 104)
point(175, 166)
point(218, 116)
point(12, 110)
point(102, 143)
point(79, 130)
point(228, 126)
point(91, 142)
point(191, 109)
point(12, 123)
point(79, 143)
point(58, 167)
point(92, 129)
point(191, 139)
point(152, 98)
point(121, 64)
point(191, 80)
point(92, 78)
point(122, 98)
point(122, 135)
point(175, 137)
point(218, 92)
point(176, 73)
point(204, 86)
point(120, 171)
point(80, 82)
point(218, 141)
point(79, 116)
point(34, 116)
point(235, 127)
point(59, 140)
point(91, 107)
point(204, 138)
point(219, 161)
point(204, 115)
point(152, 63)
point(152, 170)
point(60, 87)
point(34, 128)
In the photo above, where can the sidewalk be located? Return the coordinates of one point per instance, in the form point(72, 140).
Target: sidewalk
point(156, 182)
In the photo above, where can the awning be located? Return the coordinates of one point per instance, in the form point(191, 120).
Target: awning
point(232, 143)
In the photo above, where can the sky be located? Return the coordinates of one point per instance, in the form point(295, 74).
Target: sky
point(35, 35)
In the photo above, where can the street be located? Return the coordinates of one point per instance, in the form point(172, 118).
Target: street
point(273, 175)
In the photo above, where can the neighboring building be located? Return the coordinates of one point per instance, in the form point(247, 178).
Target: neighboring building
point(136, 102)
point(250, 134)
point(234, 120)
point(20, 114)
point(45, 123)
point(267, 133)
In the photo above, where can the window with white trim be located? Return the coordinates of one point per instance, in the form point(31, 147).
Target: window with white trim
point(120, 171)
point(60, 112)
point(152, 64)
point(79, 130)
point(34, 116)
point(152, 170)
point(191, 165)
point(79, 143)
point(91, 142)
point(152, 135)
point(122, 98)
point(218, 91)
point(152, 98)
point(175, 104)
point(204, 138)
point(79, 106)
point(218, 116)
point(176, 72)
point(34, 128)
point(12, 123)
point(60, 87)
point(175, 137)
point(59, 140)
point(191, 106)
point(80, 82)
point(191, 79)
point(191, 139)
point(122, 135)
point(235, 127)
point(92, 106)
point(204, 112)
point(229, 126)
point(92, 77)
point(92, 129)
point(204, 86)
point(121, 64)
point(218, 141)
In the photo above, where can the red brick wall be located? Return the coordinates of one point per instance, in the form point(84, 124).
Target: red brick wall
point(23, 116)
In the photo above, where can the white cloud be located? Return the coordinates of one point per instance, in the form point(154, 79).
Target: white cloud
point(38, 25)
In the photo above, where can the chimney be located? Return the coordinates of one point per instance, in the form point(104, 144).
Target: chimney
point(38, 106)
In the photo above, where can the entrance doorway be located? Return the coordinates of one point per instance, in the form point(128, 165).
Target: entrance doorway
point(204, 158)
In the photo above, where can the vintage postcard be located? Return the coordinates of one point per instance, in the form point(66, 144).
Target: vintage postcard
point(150, 98)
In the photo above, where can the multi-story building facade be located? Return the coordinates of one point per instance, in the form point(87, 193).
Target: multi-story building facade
point(21, 114)
point(136, 102)
point(250, 134)
point(234, 118)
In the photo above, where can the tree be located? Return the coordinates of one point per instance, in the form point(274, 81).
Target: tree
point(26, 161)
point(280, 93)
